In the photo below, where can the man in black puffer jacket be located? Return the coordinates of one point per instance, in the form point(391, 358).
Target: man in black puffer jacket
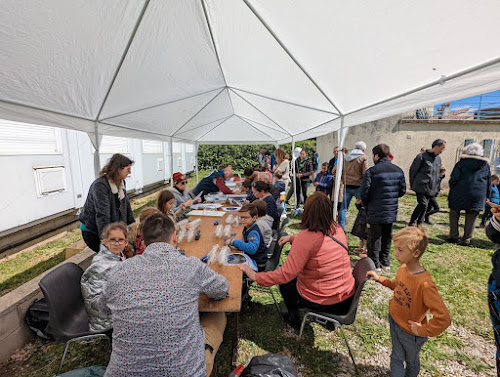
point(383, 185)
point(424, 178)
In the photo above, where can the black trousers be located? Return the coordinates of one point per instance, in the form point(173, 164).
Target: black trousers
point(301, 189)
point(294, 301)
point(92, 240)
point(421, 208)
point(432, 208)
point(379, 244)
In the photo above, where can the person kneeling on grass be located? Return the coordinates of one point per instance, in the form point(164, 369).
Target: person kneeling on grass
point(253, 243)
point(414, 295)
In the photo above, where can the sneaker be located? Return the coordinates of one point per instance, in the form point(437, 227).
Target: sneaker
point(482, 226)
point(386, 268)
point(359, 250)
point(429, 222)
point(363, 255)
point(378, 269)
point(452, 240)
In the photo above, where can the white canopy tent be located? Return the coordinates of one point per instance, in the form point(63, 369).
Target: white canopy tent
point(239, 71)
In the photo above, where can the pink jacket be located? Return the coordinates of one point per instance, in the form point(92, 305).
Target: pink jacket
point(322, 268)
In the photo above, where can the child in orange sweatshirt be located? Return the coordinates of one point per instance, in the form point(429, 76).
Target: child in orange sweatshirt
point(414, 295)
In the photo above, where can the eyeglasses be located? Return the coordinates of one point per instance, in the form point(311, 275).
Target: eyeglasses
point(245, 217)
point(183, 182)
point(120, 241)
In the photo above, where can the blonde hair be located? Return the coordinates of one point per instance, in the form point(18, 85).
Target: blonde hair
point(280, 155)
point(135, 229)
point(414, 237)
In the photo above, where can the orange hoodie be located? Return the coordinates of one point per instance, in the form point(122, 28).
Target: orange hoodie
point(414, 296)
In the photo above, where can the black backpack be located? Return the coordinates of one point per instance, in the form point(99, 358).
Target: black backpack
point(37, 319)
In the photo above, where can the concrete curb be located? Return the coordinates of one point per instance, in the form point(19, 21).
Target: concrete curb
point(14, 333)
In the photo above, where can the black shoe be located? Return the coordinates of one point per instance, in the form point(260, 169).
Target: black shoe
point(452, 240)
point(293, 320)
point(465, 243)
point(429, 222)
point(411, 224)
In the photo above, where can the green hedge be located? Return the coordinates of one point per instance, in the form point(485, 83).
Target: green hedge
point(241, 156)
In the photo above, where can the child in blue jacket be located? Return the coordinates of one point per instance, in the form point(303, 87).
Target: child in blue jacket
point(324, 180)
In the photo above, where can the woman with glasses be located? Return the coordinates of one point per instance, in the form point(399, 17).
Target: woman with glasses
point(114, 249)
point(181, 195)
point(107, 201)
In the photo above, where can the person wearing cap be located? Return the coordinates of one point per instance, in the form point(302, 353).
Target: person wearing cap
point(181, 195)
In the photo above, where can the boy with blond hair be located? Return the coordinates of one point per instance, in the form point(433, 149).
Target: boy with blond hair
point(414, 295)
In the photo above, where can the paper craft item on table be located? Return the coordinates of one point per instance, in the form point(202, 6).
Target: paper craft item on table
point(231, 208)
point(207, 213)
point(206, 205)
point(236, 196)
point(241, 258)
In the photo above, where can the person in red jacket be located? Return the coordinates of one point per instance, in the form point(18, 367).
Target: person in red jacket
point(317, 273)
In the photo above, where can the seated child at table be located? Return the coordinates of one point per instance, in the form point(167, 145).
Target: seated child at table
point(279, 184)
point(112, 251)
point(165, 204)
point(414, 295)
point(135, 231)
point(262, 190)
point(264, 221)
point(253, 241)
point(246, 186)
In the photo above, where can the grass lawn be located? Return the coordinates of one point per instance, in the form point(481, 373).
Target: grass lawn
point(465, 349)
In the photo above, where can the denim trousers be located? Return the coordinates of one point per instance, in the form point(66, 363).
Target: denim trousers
point(349, 193)
point(405, 348)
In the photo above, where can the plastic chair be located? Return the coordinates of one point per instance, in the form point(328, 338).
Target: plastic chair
point(68, 318)
point(362, 267)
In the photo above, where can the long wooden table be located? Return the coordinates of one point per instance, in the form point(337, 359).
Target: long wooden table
point(232, 273)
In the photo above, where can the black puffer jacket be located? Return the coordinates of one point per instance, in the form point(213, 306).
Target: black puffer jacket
point(493, 233)
point(382, 185)
point(469, 184)
point(424, 174)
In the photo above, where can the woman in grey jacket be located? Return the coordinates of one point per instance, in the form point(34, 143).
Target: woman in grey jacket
point(181, 196)
point(114, 242)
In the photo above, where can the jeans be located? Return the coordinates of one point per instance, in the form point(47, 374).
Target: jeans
point(421, 208)
point(301, 188)
point(494, 306)
point(470, 220)
point(379, 244)
point(348, 195)
point(432, 208)
point(405, 348)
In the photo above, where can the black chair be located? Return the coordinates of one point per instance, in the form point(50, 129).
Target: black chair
point(68, 318)
point(281, 231)
point(362, 267)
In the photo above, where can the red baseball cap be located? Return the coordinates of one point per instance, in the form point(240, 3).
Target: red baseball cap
point(177, 177)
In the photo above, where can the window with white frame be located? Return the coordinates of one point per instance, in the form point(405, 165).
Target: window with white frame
point(49, 180)
point(189, 148)
point(176, 147)
point(152, 146)
point(22, 138)
point(113, 144)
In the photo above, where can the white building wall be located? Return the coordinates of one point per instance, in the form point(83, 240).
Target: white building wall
point(20, 204)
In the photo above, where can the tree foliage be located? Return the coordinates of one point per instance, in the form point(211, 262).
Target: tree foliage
point(242, 156)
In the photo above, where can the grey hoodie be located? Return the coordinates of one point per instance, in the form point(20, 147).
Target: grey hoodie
point(354, 154)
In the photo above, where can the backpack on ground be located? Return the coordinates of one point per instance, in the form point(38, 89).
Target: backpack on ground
point(37, 319)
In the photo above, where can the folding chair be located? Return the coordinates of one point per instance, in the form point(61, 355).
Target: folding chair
point(362, 267)
point(68, 318)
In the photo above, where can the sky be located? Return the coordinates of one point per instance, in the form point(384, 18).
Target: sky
point(491, 99)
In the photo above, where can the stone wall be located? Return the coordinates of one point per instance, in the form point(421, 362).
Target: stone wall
point(405, 137)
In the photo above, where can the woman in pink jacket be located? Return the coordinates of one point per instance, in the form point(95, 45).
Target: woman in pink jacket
point(317, 273)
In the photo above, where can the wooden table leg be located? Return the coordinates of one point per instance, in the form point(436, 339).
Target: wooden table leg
point(236, 319)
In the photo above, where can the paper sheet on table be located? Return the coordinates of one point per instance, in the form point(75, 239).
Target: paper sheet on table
point(198, 196)
point(206, 205)
point(207, 213)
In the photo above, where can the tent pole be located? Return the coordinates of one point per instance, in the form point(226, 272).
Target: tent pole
point(171, 152)
point(196, 161)
point(340, 164)
point(97, 145)
point(296, 202)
